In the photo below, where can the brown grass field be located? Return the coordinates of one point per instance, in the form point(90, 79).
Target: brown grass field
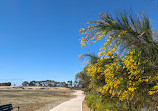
point(34, 99)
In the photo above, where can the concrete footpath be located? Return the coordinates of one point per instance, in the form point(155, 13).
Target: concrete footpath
point(74, 104)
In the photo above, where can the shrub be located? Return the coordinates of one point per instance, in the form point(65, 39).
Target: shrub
point(98, 103)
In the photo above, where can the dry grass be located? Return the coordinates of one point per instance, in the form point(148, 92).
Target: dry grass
point(33, 99)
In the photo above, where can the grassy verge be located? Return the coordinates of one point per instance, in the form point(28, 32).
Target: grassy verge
point(33, 99)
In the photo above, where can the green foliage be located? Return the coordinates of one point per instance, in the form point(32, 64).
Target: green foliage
point(83, 79)
point(98, 103)
point(93, 102)
point(126, 68)
point(31, 84)
point(5, 84)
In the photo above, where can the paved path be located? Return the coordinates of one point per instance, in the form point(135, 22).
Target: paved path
point(74, 104)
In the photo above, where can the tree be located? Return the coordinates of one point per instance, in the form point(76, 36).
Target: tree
point(127, 32)
point(31, 83)
point(126, 66)
point(69, 83)
point(83, 79)
point(63, 84)
point(25, 83)
point(5, 84)
point(76, 83)
point(9, 84)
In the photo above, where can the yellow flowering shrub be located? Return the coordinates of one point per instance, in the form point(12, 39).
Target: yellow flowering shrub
point(123, 76)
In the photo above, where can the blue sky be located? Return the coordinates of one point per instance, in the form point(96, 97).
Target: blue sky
point(39, 39)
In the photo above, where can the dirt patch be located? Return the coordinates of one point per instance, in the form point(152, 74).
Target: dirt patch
point(85, 107)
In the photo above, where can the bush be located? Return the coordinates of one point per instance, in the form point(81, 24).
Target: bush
point(97, 103)
point(94, 102)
